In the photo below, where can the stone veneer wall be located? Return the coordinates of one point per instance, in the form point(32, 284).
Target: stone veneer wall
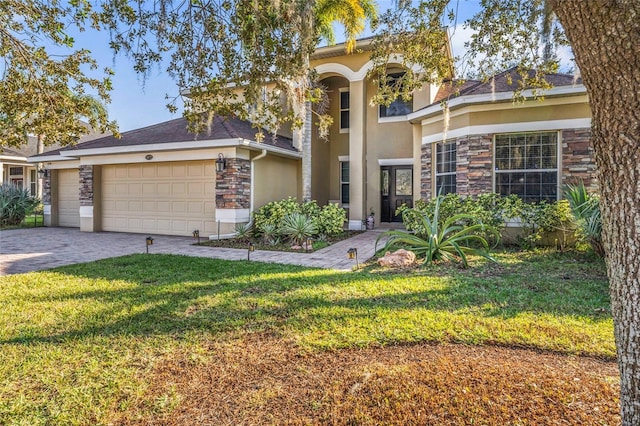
point(480, 164)
point(578, 162)
point(233, 185)
point(425, 172)
point(46, 188)
point(86, 185)
point(474, 168)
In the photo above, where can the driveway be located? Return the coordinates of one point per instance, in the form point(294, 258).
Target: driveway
point(34, 249)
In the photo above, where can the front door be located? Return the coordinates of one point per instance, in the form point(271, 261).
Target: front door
point(396, 189)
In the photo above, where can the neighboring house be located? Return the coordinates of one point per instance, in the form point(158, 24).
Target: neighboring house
point(15, 169)
point(161, 179)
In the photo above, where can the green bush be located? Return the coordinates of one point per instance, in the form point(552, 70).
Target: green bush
point(491, 210)
point(586, 209)
point(327, 220)
point(15, 204)
point(442, 238)
point(542, 218)
point(330, 220)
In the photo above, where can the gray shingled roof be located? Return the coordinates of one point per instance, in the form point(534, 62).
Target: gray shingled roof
point(176, 131)
point(500, 84)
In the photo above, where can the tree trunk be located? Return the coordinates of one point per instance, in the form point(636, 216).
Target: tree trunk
point(605, 37)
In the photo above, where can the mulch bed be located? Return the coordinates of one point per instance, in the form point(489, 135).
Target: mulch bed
point(242, 243)
point(263, 380)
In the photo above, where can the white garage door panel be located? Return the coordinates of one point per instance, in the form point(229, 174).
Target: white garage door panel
point(68, 198)
point(161, 198)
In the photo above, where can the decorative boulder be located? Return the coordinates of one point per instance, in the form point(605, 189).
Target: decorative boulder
point(400, 258)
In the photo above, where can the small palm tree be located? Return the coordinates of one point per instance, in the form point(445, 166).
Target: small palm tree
point(452, 241)
point(586, 209)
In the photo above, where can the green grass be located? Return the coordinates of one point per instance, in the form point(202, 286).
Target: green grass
point(78, 342)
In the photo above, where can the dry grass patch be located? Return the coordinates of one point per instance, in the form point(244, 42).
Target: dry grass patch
point(262, 380)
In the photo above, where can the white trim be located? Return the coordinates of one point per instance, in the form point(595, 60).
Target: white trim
point(343, 158)
point(171, 146)
point(4, 158)
point(355, 225)
point(392, 119)
point(395, 162)
point(232, 215)
point(340, 69)
point(86, 211)
point(47, 158)
point(496, 97)
point(46, 209)
point(527, 126)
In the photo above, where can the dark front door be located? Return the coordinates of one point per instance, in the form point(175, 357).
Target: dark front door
point(396, 189)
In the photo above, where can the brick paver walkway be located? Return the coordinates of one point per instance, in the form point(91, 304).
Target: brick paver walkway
point(25, 250)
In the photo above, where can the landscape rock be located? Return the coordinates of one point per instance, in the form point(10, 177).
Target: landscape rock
point(400, 258)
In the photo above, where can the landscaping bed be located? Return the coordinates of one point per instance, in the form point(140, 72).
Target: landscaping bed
point(259, 244)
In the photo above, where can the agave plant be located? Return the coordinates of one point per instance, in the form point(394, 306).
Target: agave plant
point(270, 234)
point(298, 227)
point(15, 204)
point(586, 209)
point(243, 231)
point(452, 240)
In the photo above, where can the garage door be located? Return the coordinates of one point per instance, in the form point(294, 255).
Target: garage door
point(159, 198)
point(68, 198)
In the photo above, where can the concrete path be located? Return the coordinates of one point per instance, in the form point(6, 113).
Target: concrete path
point(34, 249)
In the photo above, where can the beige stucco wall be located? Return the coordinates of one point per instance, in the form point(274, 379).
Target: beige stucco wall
point(275, 178)
point(568, 108)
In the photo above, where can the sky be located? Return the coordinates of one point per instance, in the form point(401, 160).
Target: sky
point(138, 102)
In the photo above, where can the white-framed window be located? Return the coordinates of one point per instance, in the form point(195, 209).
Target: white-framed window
point(33, 182)
point(526, 164)
point(344, 109)
point(445, 168)
point(399, 107)
point(344, 183)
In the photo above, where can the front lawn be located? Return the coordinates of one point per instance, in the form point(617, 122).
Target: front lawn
point(144, 337)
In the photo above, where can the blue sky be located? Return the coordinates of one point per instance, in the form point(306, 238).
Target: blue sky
point(137, 102)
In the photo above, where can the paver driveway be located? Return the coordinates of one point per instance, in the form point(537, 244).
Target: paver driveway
point(34, 249)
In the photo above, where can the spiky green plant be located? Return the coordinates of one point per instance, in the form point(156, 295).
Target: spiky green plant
point(15, 204)
point(243, 231)
point(298, 227)
point(453, 240)
point(586, 209)
point(270, 233)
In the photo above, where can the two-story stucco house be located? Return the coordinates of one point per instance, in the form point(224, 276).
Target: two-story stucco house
point(162, 179)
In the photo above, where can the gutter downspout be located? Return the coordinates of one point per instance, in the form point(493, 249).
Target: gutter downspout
point(253, 173)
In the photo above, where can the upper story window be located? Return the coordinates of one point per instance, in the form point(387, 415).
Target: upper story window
point(445, 168)
point(399, 106)
point(344, 110)
point(526, 164)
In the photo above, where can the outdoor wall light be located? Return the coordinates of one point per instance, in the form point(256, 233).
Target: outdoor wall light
point(352, 253)
point(308, 244)
point(149, 242)
point(196, 234)
point(221, 163)
point(43, 173)
point(249, 250)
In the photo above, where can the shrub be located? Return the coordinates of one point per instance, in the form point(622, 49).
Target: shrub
point(330, 220)
point(243, 231)
point(586, 209)
point(298, 227)
point(542, 218)
point(15, 204)
point(270, 234)
point(442, 238)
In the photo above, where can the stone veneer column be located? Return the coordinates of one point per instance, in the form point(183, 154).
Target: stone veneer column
point(90, 198)
point(480, 164)
point(578, 162)
point(233, 192)
point(426, 172)
point(46, 198)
